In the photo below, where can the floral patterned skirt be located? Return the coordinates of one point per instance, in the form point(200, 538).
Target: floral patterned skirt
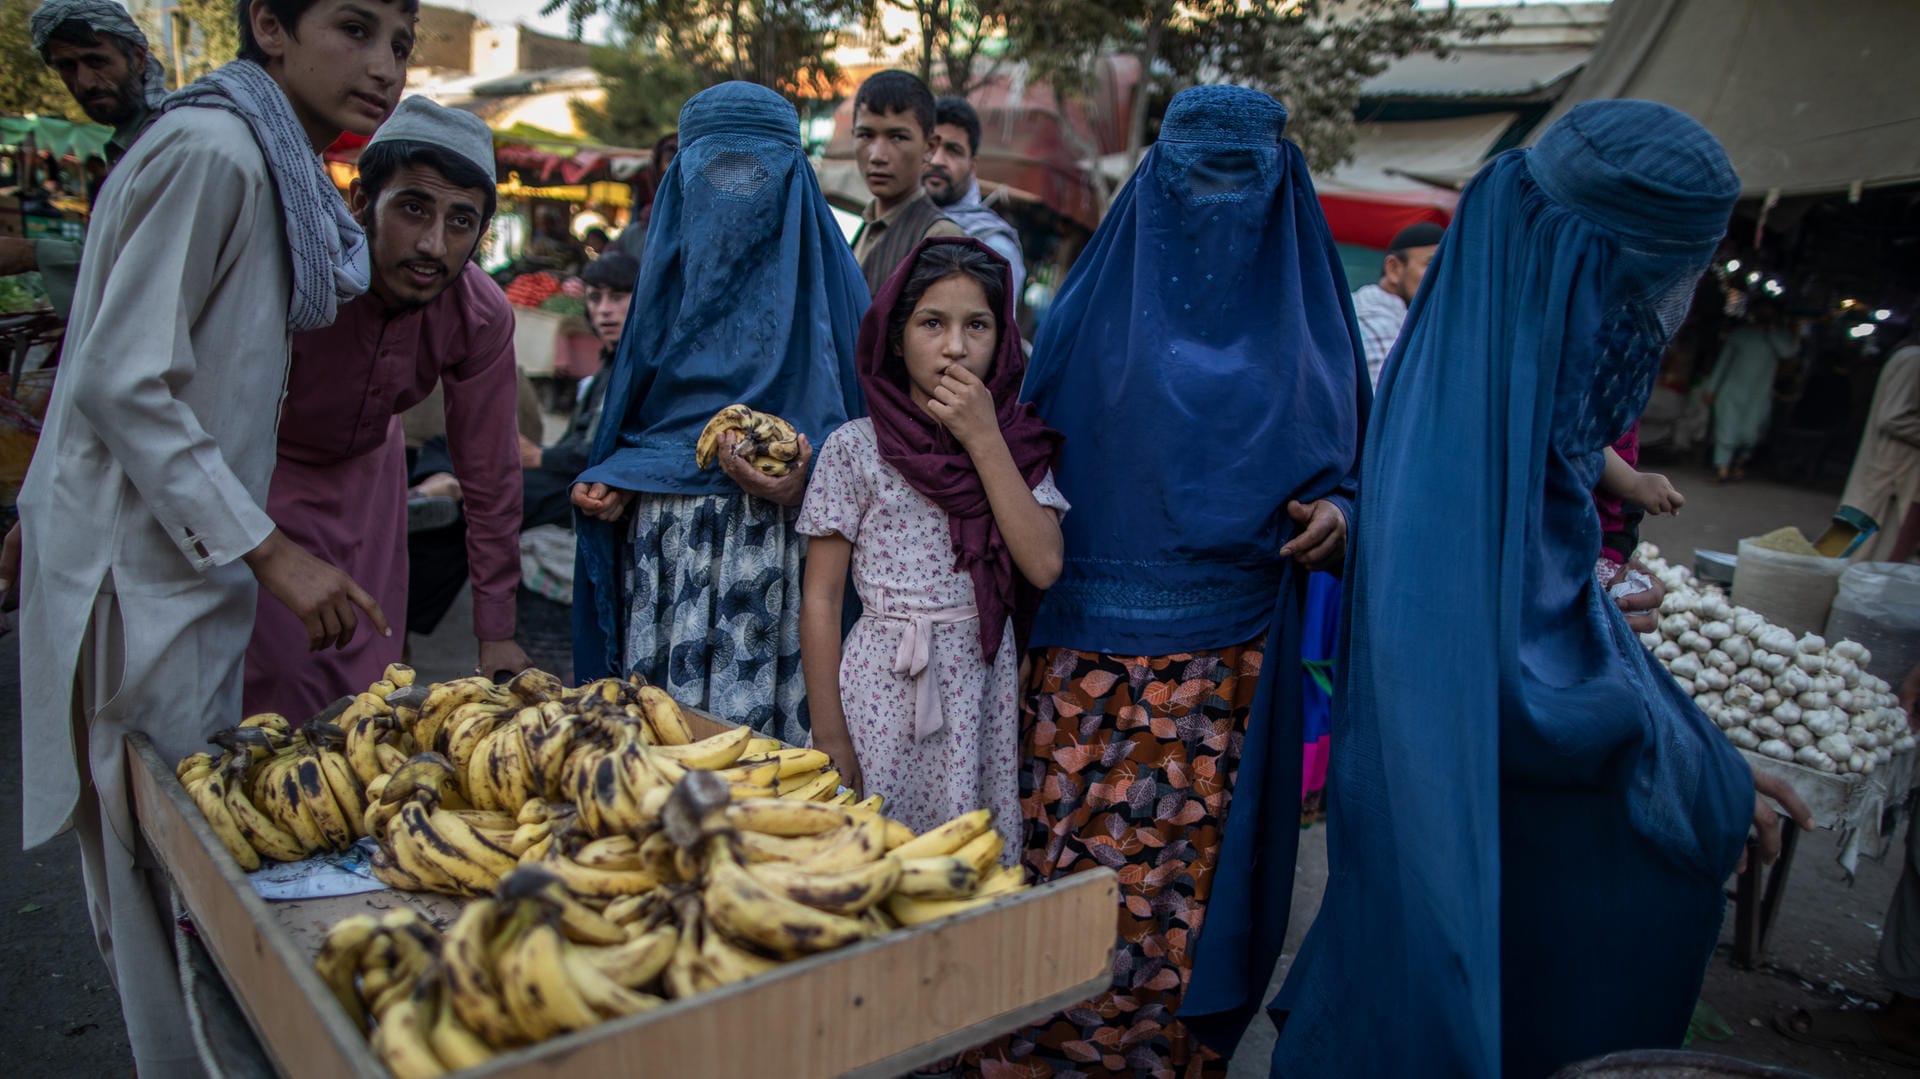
point(713, 607)
point(1131, 762)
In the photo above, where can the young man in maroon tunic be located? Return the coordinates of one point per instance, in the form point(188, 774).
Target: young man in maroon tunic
point(425, 194)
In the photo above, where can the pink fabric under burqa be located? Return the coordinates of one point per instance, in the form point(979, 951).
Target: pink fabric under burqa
point(933, 462)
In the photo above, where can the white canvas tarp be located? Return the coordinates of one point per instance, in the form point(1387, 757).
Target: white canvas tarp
point(1405, 155)
point(1807, 97)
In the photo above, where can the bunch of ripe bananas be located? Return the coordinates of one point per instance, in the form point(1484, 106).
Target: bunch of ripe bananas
point(733, 887)
point(280, 794)
point(768, 442)
point(511, 970)
point(611, 860)
point(574, 781)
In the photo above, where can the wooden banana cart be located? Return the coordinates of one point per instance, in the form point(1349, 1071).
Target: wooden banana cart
point(875, 1009)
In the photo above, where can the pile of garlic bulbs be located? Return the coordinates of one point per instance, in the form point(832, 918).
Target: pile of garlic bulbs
point(1793, 699)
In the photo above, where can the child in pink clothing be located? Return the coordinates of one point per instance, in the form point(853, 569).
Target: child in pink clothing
point(942, 505)
point(1623, 496)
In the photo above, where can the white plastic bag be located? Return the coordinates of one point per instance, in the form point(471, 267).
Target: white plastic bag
point(1878, 604)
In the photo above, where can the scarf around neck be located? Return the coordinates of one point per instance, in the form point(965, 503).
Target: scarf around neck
point(934, 463)
point(327, 246)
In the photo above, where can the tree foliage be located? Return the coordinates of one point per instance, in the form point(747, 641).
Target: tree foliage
point(1314, 55)
point(27, 84)
point(645, 90)
point(960, 43)
point(207, 36)
point(784, 44)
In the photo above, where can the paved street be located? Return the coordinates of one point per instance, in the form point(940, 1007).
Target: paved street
point(63, 1020)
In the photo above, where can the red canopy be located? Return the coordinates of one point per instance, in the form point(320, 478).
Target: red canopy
point(1370, 218)
point(540, 167)
point(346, 148)
point(541, 162)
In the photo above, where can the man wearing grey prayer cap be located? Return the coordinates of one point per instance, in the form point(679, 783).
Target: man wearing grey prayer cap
point(102, 56)
point(432, 318)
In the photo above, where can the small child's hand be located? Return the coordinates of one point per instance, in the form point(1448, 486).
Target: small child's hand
point(848, 766)
point(845, 761)
point(963, 405)
point(1656, 494)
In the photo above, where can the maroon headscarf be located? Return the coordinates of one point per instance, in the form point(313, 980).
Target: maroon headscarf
point(934, 463)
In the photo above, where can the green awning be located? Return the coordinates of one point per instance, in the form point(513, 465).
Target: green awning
point(63, 138)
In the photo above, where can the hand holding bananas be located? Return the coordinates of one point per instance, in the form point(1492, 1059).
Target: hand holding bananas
point(760, 452)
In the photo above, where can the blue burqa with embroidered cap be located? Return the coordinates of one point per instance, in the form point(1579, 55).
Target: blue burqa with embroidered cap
point(748, 293)
point(1528, 823)
point(1203, 363)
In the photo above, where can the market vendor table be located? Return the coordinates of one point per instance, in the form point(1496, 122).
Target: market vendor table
point(1852, 805)
point(877, 1008)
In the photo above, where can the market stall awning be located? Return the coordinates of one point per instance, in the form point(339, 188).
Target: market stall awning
point(1512, 75)
point(1369, 218)
point(1807, 98)
point(1400, 157)
point(62, 138)
point(543, 158)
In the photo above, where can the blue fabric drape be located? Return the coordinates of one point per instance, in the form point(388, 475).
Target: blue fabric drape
point(748, 293)
point(1528, 823)
point(1202, 361)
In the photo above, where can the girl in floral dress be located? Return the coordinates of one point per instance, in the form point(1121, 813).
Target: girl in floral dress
point(943, 506)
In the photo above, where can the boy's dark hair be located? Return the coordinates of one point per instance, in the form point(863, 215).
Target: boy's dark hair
point(288, 13)
point(897, 91)
point(956, 111)
point(939, 262)
point(77, 32)
point(614, 269)
point(380, 160)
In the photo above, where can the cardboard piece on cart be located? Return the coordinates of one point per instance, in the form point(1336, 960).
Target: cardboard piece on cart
point(1853, 805)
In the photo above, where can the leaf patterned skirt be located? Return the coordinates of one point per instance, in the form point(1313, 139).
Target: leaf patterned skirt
point(1131, 762)
point(713, 607)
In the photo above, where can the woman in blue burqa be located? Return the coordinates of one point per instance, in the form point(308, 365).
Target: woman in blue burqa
point(1203, 363)
point(1529, 823)
point(749, 294)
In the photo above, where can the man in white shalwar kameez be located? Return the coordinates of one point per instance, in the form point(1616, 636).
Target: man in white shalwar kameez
point(1885, 481)
point(143, 534)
